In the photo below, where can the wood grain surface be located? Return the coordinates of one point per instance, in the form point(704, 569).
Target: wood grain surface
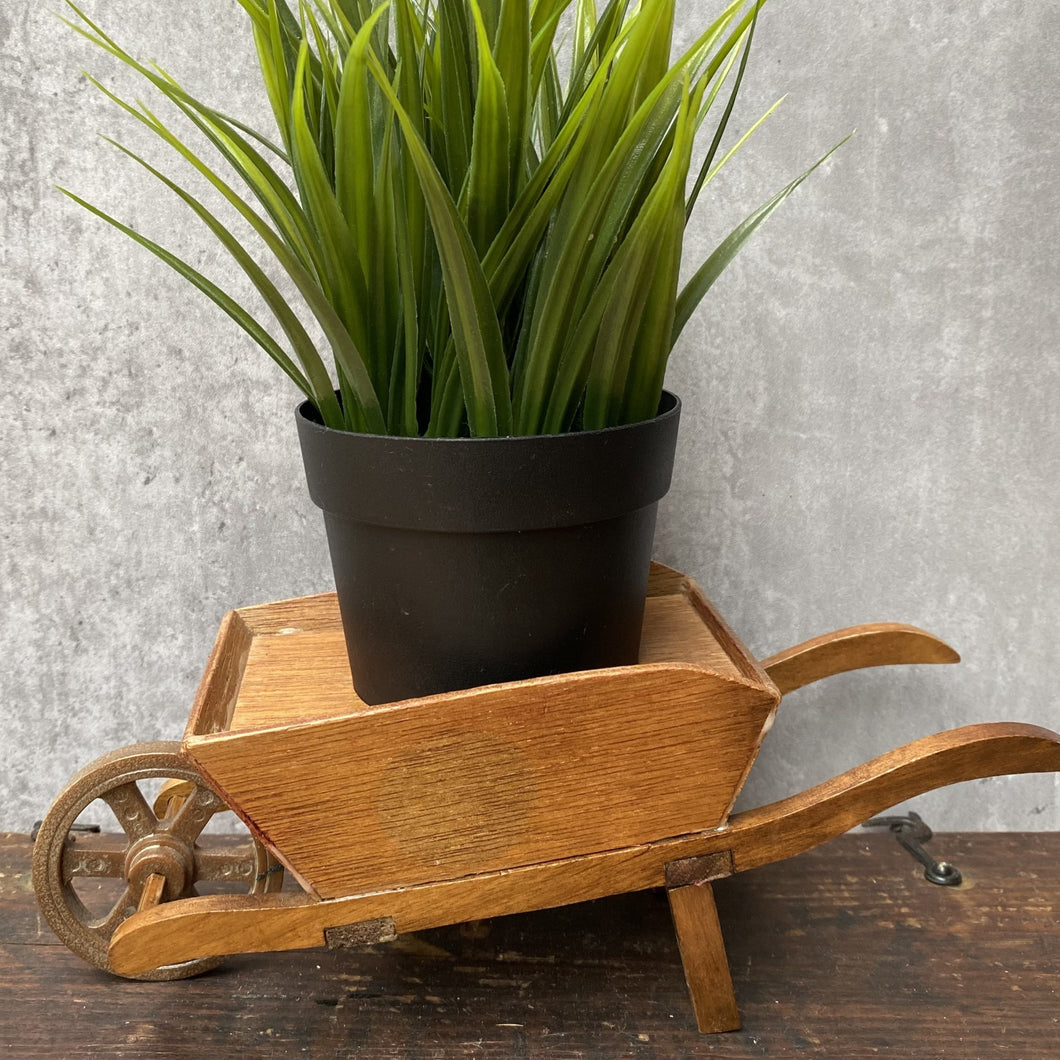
point(354, 797)
point(205, 927)
point(855, 648)
point(303, 674)
point(215, 700)
point(494, 777)
point(843, 952)
point(703, 957)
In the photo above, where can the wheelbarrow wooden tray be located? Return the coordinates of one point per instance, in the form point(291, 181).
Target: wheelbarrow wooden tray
point(355, 797)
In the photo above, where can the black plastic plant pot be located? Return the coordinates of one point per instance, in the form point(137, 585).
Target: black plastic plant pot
point(470, 561)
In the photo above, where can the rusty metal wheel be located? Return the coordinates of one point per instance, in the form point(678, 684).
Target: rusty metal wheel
point(86, 886)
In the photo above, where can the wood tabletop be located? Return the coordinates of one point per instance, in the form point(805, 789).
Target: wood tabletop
point(845, 951)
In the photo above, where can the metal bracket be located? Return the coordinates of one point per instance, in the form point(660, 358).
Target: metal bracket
point(686, 872)
point(362, 933)
point(911, 832)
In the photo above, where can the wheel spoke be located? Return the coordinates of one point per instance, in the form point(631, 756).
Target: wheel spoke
point(237, 866)
point(83, 862)
point(189, 821)
point(123, 908)
point(131, 809)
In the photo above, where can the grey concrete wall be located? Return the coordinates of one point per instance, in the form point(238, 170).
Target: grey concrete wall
point(870, 428)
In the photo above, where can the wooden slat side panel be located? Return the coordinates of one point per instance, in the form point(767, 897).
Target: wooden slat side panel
point(216, 697)
point(232, 803)
point(494, 777)
point(744, 661)
point(309, 613)
point(674, 632)
point(305, 675)
point(294, 678)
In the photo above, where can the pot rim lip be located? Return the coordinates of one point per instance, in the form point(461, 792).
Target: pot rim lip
point(308, 423)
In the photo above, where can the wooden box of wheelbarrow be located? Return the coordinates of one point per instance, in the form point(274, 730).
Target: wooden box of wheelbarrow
point(495, 800)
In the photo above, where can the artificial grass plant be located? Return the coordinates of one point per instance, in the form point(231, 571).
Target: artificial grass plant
point(481, 203)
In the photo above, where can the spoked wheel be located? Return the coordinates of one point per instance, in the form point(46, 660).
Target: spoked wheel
point(86, 887)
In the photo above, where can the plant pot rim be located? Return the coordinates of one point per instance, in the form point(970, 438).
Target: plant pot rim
point(489, 485)
point(669, 407)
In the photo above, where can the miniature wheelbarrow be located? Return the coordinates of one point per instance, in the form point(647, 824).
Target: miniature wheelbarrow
point(473, 804)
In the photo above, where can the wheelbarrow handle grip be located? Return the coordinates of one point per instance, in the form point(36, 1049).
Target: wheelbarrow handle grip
point(855, 648)
point(783, 829)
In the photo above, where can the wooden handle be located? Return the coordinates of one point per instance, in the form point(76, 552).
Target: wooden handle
point(855, 648)
point(791, 826)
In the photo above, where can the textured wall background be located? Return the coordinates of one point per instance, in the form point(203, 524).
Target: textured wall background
point(870, 429)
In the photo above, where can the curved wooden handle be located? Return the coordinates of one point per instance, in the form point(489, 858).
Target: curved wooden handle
point(855, 648)
point(791, 826)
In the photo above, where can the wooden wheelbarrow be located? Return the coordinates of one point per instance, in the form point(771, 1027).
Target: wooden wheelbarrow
point(472, 804)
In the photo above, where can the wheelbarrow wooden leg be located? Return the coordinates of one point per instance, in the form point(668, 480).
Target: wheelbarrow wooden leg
point(703, 956)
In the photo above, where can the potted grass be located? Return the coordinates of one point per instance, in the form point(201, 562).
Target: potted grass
point(480, 206)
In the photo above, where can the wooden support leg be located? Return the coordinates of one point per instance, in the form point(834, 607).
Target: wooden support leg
point(703, 956)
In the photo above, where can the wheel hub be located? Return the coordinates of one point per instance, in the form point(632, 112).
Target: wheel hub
point(164, 855)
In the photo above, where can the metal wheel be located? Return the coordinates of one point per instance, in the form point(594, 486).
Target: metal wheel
point(86, 887)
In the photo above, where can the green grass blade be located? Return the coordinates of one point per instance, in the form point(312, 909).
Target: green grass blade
point(606, 31)
point(343, 346)
point(541, 50)
point(512, 54)
point(549, 104)
point(652, 342)
point(583, 237)
point(614, 365)
point(719, 132)
point(339, 252)
point(412, 367)
point(329, 74)
point(355, 185)
point(287, 318)
point(584, 25)
point(730, 246)
point(95, 35)
point(510, 254)
point(546, 12)
point(731, 153)
point(221, 299)
point(455, 69)
point(386, 291)
point(490, 147)
point(276, 69)
point(476, 330)
point(655, 56)
point(411, 41)
point(448, 410)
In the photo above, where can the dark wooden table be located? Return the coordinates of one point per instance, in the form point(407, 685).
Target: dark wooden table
point(844, 952)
